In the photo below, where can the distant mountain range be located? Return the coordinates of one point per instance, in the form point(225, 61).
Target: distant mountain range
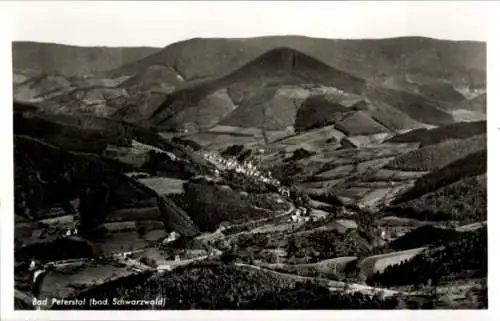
point(406, 82)
point(212, 57)
point(51, 58)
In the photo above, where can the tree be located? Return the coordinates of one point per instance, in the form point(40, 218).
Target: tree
point(141, 231)
point(292, 247)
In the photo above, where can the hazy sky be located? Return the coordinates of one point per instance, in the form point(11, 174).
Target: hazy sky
point(161, 23)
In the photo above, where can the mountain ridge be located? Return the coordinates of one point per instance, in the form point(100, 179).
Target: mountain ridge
point(68, 60)
point(343, 54)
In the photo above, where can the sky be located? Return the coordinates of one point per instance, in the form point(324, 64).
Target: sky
point(161, 23)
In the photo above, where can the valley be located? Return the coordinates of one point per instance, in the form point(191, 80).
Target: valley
point(262, 173)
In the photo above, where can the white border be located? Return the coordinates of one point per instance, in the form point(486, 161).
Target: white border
point(6, 221)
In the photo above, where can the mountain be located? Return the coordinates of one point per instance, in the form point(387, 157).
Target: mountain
point(50, 58)
point(264, 93)
point(462, 62)
point(412, 81)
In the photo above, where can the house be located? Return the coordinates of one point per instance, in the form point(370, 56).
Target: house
point(171, 237)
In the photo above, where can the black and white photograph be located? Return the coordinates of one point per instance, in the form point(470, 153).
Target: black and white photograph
point(248, 156)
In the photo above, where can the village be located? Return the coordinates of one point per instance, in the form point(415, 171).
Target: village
point(247, 168)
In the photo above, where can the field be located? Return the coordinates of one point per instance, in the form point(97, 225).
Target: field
point(164, 185)
point(379, 263)
point(125, 241)
point(330, 268)
point(71, 279)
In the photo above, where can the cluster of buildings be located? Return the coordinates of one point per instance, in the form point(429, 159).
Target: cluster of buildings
point(171, 237)
point(247, 168)
point(299, 215)
point(72, 231)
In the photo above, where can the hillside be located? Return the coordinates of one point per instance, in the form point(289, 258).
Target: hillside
point(93, 101)
point(48, 176)
point(424, 236)
point(413, 105)
point(317, 111)
point(358, 123)
point(441, 92)
point(41, 87)
point(200, 58)
point(471, 109)
point(50, 58)
point(209, 206)
point(471, 165)
point(464, 201)
point(389, 116)
point(153, 76)
point(464, 256)
point(435, 156)
point(227, 286)
point(252, 95)
point(436, 135)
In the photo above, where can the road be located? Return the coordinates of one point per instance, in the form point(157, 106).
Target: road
point(332, 285)
point(219, 233)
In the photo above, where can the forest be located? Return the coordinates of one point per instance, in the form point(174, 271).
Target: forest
point(464, 257)
point(225, 286)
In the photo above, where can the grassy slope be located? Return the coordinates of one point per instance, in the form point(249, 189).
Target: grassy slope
point(360, 124)
point(390, 117)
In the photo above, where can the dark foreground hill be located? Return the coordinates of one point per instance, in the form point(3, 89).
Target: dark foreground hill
point(46, 175)
point(50, 58)
point(226, 286)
